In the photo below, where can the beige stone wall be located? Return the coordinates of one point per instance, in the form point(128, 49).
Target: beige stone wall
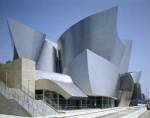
point(28, 75)
point(10, 73)
point(19, 74)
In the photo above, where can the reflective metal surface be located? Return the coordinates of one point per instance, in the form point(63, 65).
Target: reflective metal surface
point(136, 76)
point(27, 42)
point(94, 74)
point(97, 33)
point(58, 83)
point(137, 93)
point(90, 52)
point(126, 56)
point(47, 58)
point(126, 87)
point(32, 44)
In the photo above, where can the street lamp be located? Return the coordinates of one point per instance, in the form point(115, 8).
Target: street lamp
point(28, 93)
point(146, 94)
point(6, 78)
point(29, 86)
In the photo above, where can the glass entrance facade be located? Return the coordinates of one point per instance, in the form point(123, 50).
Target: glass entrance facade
point(59, 102)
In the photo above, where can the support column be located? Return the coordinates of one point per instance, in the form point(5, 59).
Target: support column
point(86, 101)
point(102, 102)
point(6, 79)
point(95, 102)
point(111, 102)
point(81, 103)
point(57, 101)
point(108, 102)
point(66, 104)
point(43, 95)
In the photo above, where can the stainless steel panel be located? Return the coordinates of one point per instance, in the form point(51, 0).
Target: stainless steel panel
point(47, 58)
point(27, 41)
point(95, 75)
point(126, 56)
point(97, 33)
point(32, 44)
point(136, 76)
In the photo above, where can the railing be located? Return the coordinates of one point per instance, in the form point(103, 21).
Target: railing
point(62, 104)
point(47, 100)
point(32, 106)
point(27, 91)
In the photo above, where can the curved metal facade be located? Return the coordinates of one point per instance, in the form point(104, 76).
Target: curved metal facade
point(103, 75)
point(93, 55)
point(67, 90)
point(137, 94)
point(26, 41)
point(90, 72)
point(90, 52)
point(59, 83)
point(97, 33)
point(136, 76)
point(126, 87)
point(126, 56)
point(79, 73)
point(47, 58)
point(31, 44)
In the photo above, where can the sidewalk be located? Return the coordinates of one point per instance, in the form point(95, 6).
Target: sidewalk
point(91, 113)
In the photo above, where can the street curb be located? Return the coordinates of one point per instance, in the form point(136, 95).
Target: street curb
point(135, 114)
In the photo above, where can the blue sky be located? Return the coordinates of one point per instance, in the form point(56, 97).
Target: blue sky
point(54, 16)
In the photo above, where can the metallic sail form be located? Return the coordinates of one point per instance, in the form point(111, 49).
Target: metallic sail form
point(90, 52)
point(97, 33)
point(93, 55)
point(126, 56)
point(136, 76)
point(27, 42)
point(137, 94)
point(32, 44)
point(90, 72)
point(126, 87)
point(47, 58)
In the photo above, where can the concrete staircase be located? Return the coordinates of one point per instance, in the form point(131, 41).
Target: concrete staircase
point(29, 104)
point(11, 107)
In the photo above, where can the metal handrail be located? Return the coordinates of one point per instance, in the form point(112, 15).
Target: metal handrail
point(52, 102)
point(62, 106)
point(47, 100)
point(27, 91)
point(34, 107)
point(33, 96)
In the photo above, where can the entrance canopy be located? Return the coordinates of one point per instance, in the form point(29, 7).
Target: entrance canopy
point(55, 82)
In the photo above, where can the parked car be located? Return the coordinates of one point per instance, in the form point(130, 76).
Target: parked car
point(148, 105)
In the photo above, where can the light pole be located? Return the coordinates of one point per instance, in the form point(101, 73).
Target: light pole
point(43, 95)
point(28, 92)
point(137, 92)
point(146, 94)
point(6, 78)
point(28, 86)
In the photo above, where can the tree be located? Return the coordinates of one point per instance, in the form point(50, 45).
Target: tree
point(8, 61)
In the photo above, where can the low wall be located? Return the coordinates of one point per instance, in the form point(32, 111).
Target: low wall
point(19, 73)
